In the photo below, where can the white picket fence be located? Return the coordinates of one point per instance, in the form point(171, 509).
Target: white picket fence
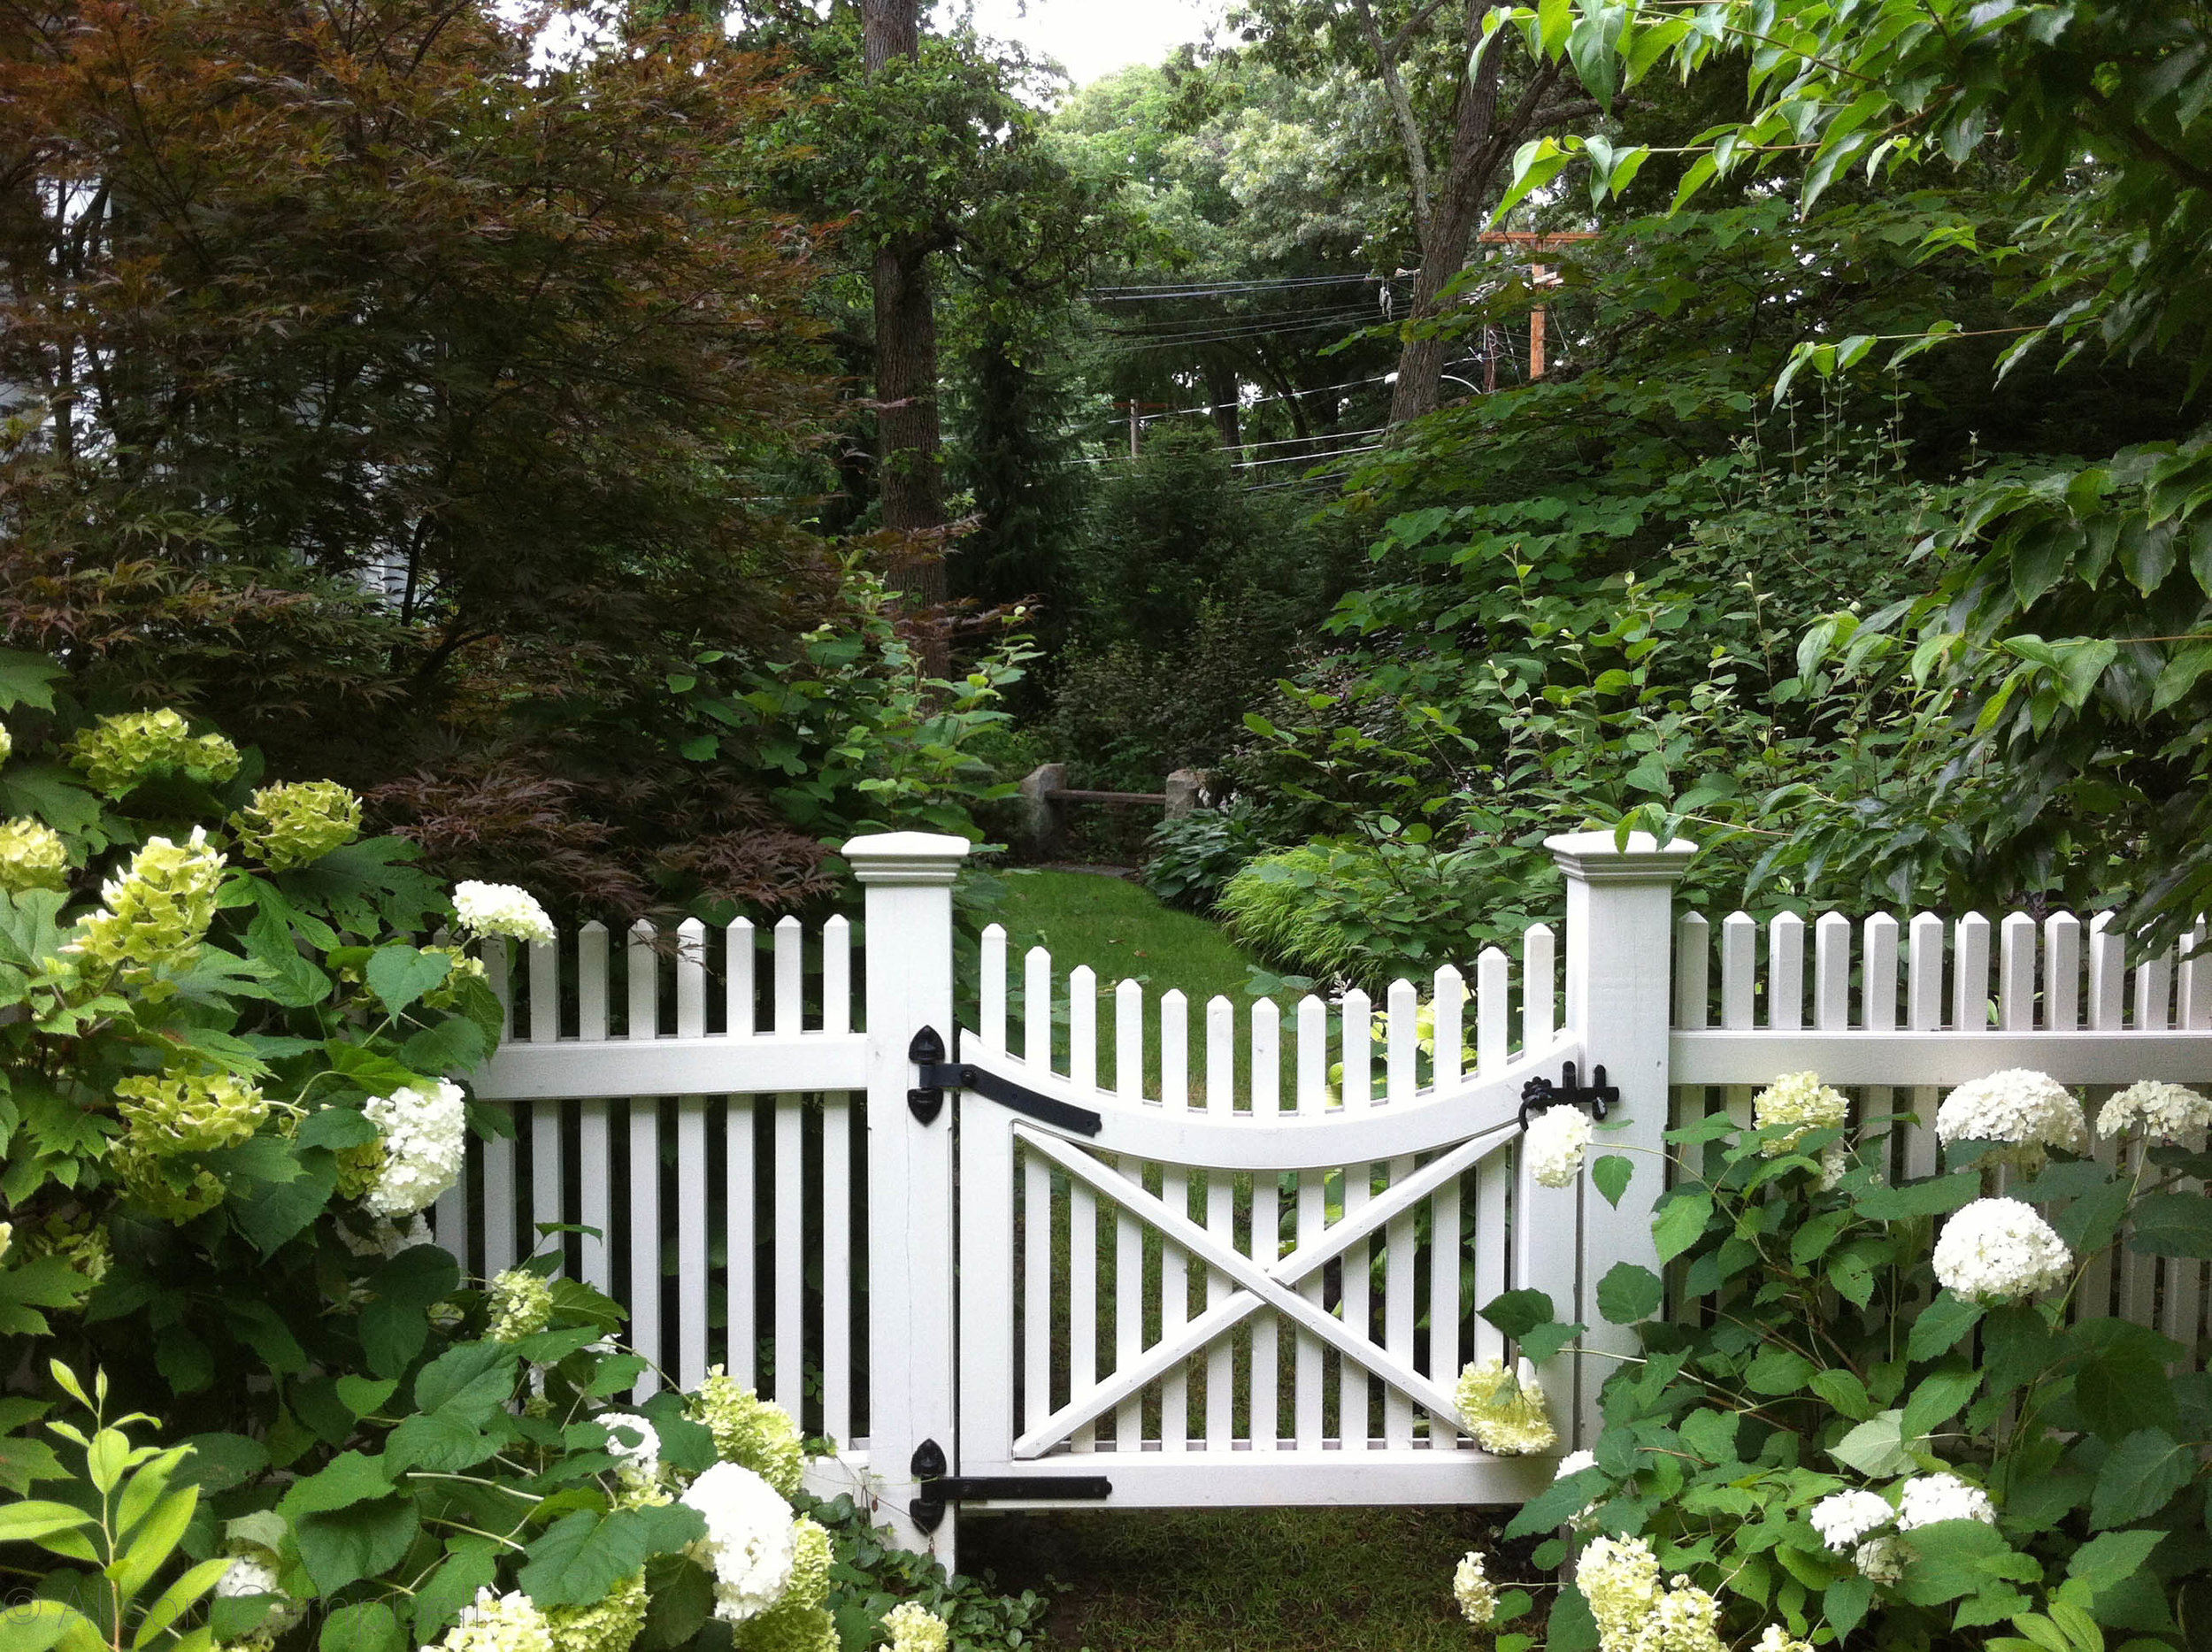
point(1208, 1255)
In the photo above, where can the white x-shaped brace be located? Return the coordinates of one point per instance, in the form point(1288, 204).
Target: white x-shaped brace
point(1263, 1286)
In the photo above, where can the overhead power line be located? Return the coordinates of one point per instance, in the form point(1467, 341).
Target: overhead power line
point(1207, 289)
point(1223, 334)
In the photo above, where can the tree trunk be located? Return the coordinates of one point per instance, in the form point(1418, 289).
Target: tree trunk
point(907, 438)
point(1480, 145)
point(1221, 389)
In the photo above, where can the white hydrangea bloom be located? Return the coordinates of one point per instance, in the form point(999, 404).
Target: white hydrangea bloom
point(501, 909)
point(2162, 1110)
point(1881, 1561)
point(1928, 1499)
point(1999, 1248)
point(1776, 1638)
point(643, 1458)
point(1845, 1518)
point(1555, 1143)
point(425, 1135)
point(1477, 1601)
point(1574, 1463)
point(500, 1623)
point(1688, 1620)
point(1798, 1104)
point(2026, 1111)
point(752, 1540)
point(1834, 1161)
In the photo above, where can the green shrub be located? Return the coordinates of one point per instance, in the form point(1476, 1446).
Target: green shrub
point(1365, 912)
point(1867, 1415)
point(1194, 855)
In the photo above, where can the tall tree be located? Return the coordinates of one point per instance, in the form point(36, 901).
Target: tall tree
point(907, 425)
point(1461, 106)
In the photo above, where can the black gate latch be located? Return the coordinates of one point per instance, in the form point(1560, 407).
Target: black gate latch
point(938, 1489)
point(936, 1075)
point(1539, 1093)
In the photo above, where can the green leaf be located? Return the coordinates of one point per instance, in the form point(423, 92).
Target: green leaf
point(454, 1045)
point(2140, 1479)
point(585, 1553)
point(1680, 1223)
point(1545, 1342)
point(2111, 1558)
point(474, 1377)
point(1778, 1370)
point(1957, 1558)
point(1845, 1604)
point(1610, 1177)
point(1937, 1196)
point(1629, 1292)
point(2172, 1225)
point(28, 678)
point(1517, 1313)
point(364, 1540)
point(348, 1478)
point(1876, 1446)
point(1559, 1501)
point(1844, 1391)
point(336, 1127)
point(399, 975)
point(1940, 1325)
point(471, 1563)
point(271, 1213)
point(364, 1626)
point(1936, 1400)
point(682, 1600)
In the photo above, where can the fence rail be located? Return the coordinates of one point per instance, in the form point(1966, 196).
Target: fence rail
point(1253, 1275)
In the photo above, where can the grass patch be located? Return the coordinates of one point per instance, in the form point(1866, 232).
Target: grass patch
point(1121, 930)
point(1239, 1580)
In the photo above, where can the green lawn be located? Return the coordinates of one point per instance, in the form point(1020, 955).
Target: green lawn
point(1120, 930)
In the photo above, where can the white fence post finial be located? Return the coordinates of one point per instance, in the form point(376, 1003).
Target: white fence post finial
point(908, 877)
point(1619, 944)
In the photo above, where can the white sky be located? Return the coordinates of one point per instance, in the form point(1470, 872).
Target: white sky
point(1095, 38)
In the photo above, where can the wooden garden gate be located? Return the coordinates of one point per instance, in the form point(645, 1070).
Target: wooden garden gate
point(1004, 1257)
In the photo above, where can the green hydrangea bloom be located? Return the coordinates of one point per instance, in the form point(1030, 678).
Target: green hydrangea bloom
point(157, 913)
point(915, 1628)
point(610, 1625)
point(118, 752)
point(788, 1627)
point(7, 744)
point(173, 1189)
point(299, 821)
point(521, 1305)
point(359, 1168)
point(188, 1113)
point(84, 1251)
point(31, 857)
point(810, 1566)
point(1504, 1412)
point(750, 1429)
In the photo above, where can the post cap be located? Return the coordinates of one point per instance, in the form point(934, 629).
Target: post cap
point(924, 858)
point(1594, 857)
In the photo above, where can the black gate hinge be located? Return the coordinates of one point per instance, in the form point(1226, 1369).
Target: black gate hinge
point(1598, 1095)
point(937, 1490)
point(935, 1075)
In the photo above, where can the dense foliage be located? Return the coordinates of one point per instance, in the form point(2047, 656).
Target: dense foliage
point(1902, 1412)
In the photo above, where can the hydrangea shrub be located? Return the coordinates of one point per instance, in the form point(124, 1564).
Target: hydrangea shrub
point(1869, 1414)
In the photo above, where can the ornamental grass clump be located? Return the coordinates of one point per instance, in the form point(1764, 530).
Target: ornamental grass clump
point(1856, 1412)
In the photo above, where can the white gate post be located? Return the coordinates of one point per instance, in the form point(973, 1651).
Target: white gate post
point(1620, 940)
point(908, 877)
